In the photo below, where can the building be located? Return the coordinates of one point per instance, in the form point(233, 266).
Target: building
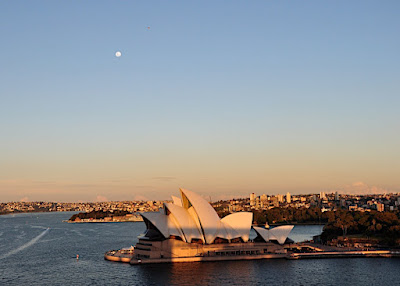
point(288, 198)
point(189, 229)
point(380, 207)
point(274, 202)
point(264, 201)
point(252, 199)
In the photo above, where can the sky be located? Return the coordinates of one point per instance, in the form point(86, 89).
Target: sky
point(223, 98)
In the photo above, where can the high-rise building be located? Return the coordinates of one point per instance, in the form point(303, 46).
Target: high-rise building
point(336, 196)
point(264, 200)
point(252, 199)
point(280, 198)
point(288, 198)
point(380, 207)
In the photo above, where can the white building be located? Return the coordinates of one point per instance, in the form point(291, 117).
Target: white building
point(288, 198)
point(189, 229)
point(252, 199)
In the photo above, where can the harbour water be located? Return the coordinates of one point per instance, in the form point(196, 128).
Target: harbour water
point(40, 249)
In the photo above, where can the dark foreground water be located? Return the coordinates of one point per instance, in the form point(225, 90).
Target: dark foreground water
point(39, 249)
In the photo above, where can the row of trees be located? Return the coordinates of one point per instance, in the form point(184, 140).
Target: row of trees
point(290, 215)
point(98, 214)
point(385, 226)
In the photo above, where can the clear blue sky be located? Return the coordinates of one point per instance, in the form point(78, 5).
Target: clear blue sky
point(220, 97)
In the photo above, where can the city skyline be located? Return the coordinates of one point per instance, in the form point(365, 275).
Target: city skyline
point(355, 189)
point(225, 100)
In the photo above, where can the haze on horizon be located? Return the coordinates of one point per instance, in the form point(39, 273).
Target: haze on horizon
point(220, 98)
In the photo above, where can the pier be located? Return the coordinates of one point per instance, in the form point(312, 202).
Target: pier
point(343, 254)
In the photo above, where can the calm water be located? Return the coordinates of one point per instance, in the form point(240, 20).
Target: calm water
point(39, 249)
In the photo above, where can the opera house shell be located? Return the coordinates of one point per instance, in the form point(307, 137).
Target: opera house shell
point(189, 229)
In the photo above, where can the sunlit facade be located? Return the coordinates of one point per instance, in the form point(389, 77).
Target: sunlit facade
point(192, 219)
point(189, 229)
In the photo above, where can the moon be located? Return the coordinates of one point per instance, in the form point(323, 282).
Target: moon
point(118, 54)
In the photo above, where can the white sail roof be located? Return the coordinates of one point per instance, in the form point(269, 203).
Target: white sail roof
point(226, 231)
point(207, 216)
point(177, 201)
point(279, 233)
point(192, 217)
point(159, 220)
point(163, 223)
point(241, 222)
point(185, 222)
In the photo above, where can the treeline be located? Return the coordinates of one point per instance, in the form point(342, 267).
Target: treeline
point(36, 210)
point(98, 214)
point(290, 215)
point(384, 226)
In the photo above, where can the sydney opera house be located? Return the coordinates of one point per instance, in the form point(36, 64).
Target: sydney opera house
point(189, 229)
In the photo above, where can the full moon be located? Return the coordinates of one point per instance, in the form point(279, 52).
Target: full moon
point(118, 54)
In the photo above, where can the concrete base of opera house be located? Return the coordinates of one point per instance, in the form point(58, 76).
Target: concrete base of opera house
point(172, 250)
point(134, 261)
point(205, 259)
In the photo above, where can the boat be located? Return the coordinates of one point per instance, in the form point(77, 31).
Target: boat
point(122, 255)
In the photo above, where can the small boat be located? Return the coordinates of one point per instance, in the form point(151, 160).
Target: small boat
point(292, 257)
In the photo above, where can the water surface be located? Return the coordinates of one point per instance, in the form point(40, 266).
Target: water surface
point(39, 249)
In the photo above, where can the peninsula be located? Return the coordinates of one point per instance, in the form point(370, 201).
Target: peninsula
point(105, 216)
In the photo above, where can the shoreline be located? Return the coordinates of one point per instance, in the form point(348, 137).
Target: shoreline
point(101, 221)
point(296, 223)
point(35, 212)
